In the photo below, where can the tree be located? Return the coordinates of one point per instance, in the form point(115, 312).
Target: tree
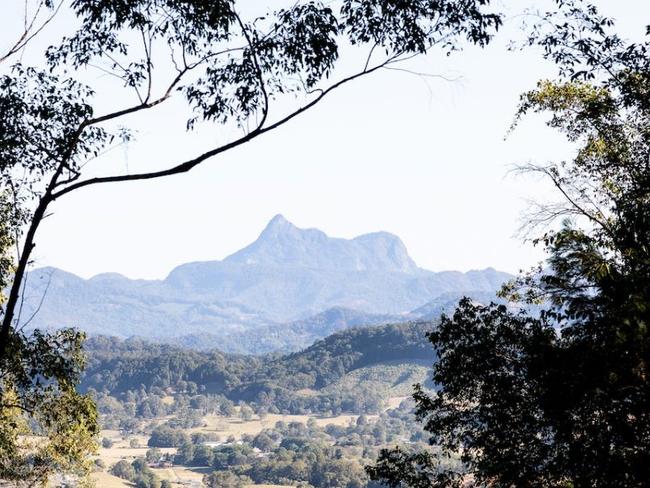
point(147, 480)
point(165, 436)
point(185, 454)
point(202, 455)
point(153, 455)
point(246, 413)
point(37, 390)
point(123, 469)
point(560, 399)
point(263, 442)
point(225, 479)
point(39, 396)
point(339, 473)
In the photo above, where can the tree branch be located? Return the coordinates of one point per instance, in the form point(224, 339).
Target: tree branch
point(17, 406)
point(579, 209)
point(258, 69)
point(26, 37)
point(189, 164)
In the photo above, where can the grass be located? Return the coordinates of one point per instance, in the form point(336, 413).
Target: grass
point(391, 379)
point(227, 426)
point(179, 476)
point(106, 480)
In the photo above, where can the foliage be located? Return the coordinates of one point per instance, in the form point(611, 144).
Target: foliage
point(561, 399)
point(165, 436)
point(228, 69)
point(123, 469)
point(307, 454)
point(39, 398)
point(225, 479)
point(135, 376)
point(38, 395)
point(136, 472)
point(153, 455)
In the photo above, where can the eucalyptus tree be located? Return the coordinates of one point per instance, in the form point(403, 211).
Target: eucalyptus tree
point(228, 68)
point(561, 399)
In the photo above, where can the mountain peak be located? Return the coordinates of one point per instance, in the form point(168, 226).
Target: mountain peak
point(283, 244)
point(280, 229)
point(278, 222)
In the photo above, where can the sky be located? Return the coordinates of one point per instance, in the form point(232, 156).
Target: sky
point(424, 158)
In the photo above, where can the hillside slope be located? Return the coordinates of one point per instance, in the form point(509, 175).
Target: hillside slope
point(330, 370)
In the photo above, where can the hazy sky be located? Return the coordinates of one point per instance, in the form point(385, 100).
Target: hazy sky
point(424, 159)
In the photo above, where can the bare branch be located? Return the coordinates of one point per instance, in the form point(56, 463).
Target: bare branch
point(136, 108)
point(258, 69)
point(423, 75)
point(575, 207)
point(38, 308)
point(145, 104)
point(148, 54)
point(30, 32)
point(369, 58)
point(116, 63)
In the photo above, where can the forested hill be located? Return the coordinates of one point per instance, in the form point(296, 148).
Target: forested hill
point(329, 359)
point(117, 366)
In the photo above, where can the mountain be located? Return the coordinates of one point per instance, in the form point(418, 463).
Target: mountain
point(446, 303)
point(283, 244)
point(289, 287)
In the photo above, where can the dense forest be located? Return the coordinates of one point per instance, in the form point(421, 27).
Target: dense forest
point(140, 372)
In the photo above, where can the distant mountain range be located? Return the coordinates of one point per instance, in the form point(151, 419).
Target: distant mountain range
point(285, 290)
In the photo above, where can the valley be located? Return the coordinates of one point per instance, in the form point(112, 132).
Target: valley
point(160, 328)
point(225, 427)
point(290, 363)
point(311, 418)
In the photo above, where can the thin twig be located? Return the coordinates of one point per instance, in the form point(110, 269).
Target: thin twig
point(26, 37)
point(40, 304)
